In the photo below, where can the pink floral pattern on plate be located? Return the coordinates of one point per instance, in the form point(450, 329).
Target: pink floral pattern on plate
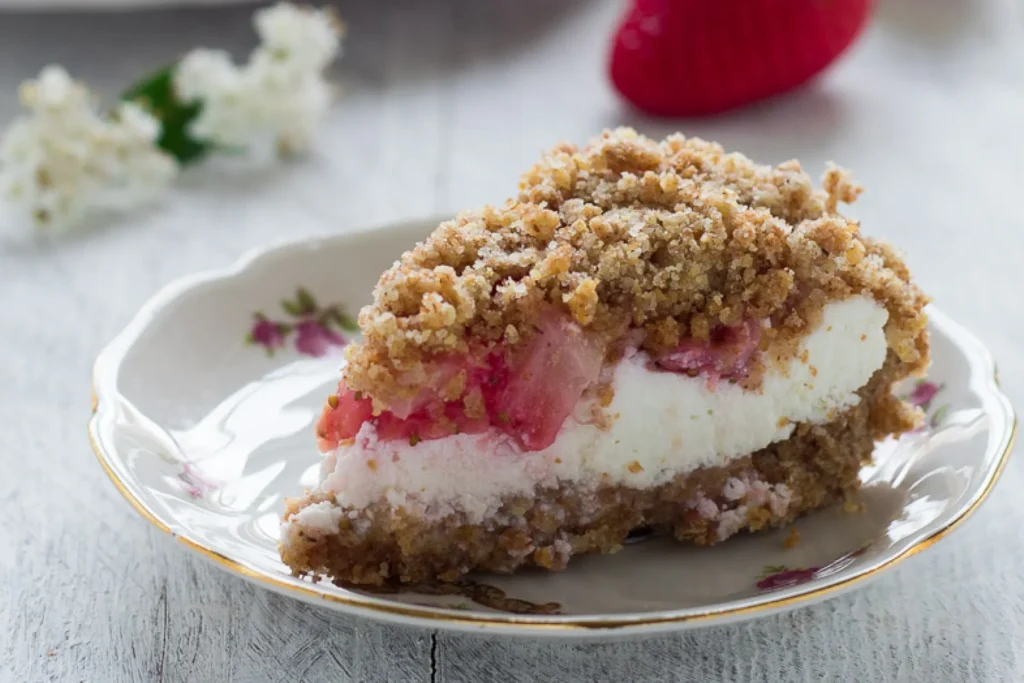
point(195, 483)
point(315, 328)
point(776, 576)
point(923, 396)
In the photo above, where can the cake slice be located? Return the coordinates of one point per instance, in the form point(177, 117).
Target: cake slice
point(651, 335)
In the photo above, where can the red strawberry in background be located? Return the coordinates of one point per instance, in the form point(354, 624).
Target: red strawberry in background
point(702, 57)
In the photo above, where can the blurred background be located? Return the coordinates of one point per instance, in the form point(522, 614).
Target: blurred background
point(444, 103)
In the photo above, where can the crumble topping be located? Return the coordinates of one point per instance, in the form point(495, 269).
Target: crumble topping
point(676, 238)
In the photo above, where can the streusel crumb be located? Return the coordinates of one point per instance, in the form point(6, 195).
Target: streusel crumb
point(675, 237)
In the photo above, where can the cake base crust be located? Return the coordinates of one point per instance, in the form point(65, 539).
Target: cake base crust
point(816, 466)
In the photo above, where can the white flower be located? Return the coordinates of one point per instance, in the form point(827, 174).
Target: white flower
point(279, 98)
point(302, 117)
point(62, 159)
point(137, 170)
point(305, 39)
point(53, 93)
point(203, 73)
point(231, 114)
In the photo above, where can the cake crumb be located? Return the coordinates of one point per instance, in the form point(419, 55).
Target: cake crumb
point(792, 539)
point(840, 187)
point(851, 506)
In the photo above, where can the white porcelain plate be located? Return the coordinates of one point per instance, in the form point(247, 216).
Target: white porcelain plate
point(203, 419)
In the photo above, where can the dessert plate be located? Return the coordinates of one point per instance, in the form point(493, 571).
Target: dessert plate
point(203, 418)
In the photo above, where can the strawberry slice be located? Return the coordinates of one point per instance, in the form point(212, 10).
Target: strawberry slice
point(703, 57)
point(342, 417)
point(551, 374)
point(726, 355)
point(527, 396)
point(439, 373)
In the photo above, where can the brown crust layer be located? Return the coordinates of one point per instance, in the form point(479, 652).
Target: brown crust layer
point(674, 236)
point(816, 466)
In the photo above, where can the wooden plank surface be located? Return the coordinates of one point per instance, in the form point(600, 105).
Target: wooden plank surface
point(445, 102)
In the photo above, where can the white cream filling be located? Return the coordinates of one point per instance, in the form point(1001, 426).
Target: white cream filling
point(664, 424)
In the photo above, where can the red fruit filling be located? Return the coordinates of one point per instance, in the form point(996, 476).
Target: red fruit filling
point(527, 393)
point(726, 355)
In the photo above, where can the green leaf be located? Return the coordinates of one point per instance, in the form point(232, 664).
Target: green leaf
point(305, 301)
point(348, 323)
point(249, 339)
point(292, 308)
point(156, 94)
point(940, 415)
point(772, 569)
point(342, 319)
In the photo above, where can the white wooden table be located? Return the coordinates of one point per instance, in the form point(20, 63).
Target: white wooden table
point(451, 99)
